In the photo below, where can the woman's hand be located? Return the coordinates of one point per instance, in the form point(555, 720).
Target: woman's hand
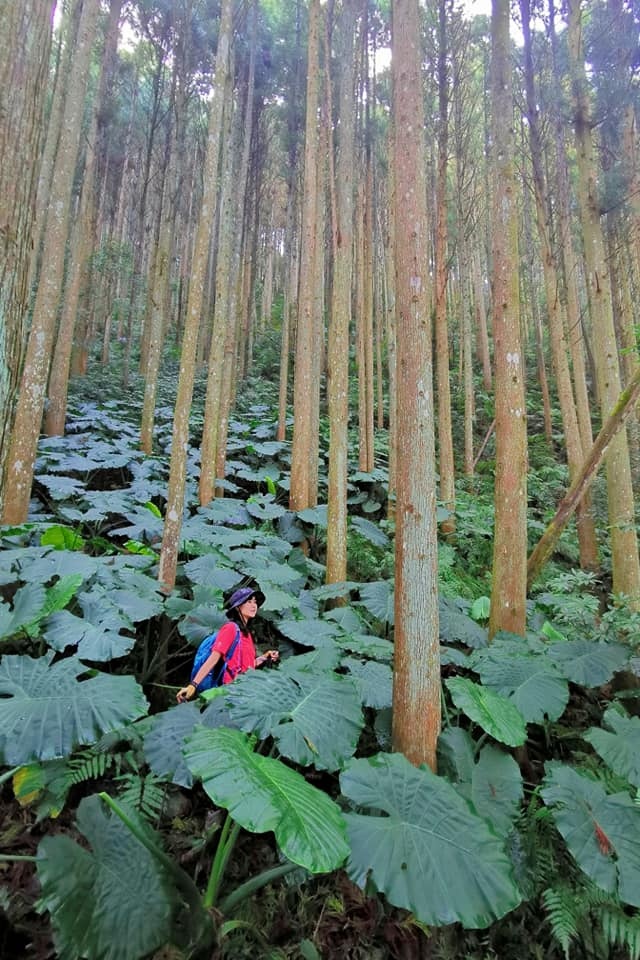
point(271, 656)
point(187, 693)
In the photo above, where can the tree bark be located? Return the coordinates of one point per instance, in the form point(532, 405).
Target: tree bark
point(508, 592)
point(303, 446)
point(624, 542)
point(416, 676)
point(24, 56)
point(26, 428)
point(340, 312)
point(180, 436)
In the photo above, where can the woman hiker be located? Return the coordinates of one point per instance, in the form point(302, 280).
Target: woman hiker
point(235, 637)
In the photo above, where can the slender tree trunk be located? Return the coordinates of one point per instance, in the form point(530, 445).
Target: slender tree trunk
point(221, 315)
point(26, 428)
point(24, 56)
point(303, 445)
point(340, 312)
point(624, 542)
point(83, 243)
point(445, 437)
point(509, 579)
point(180, 436)
point(416, 678)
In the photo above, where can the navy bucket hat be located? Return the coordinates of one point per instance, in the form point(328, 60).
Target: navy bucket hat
point(238, 597)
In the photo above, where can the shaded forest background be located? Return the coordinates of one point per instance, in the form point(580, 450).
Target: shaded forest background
point(337, 297)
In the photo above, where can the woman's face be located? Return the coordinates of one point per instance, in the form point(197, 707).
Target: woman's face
point(248, 609)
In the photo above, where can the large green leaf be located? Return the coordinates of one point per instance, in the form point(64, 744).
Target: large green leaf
point(165, 739)
point(620, 748)
point(374, 681)
point(377, 598)
point(45, 711)
point(315, 718)
point(493, 783)
point(602, 831)
point(370, 531)
point(530, 681)
point(100, 641)
point(112, 902)
point(429, 853)
point(496, 787)
point(497, 716)
point(456, 626)
point(263, 794)
point(588, 663)
point(310, 633)
point(456, 755)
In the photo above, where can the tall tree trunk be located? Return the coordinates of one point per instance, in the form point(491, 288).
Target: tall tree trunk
point(416, 677)
point(340, 312)
point(445, 436)
point(24, 56)
point(509, 573)
point(180, 437)
point(624, 542)
point(575, 454)
point(83, 243)
point(303, 445)
point(26, 428)
point(221, 318)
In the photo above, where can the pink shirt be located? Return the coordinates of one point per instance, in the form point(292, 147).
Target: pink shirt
point(244, 655)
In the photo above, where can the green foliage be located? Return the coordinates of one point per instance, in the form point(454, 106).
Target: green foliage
point(468, 845)
point(45, 712)
point(307, 824)
point(600, 830)
point(113, 901)
point(429, 853)
point(492, 712)
point(619, 746)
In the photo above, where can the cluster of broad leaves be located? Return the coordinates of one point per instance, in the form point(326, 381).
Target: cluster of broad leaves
point(80, 593)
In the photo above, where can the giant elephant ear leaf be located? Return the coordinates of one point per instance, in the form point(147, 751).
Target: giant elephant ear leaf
point(531, 681)
point(588, 663)
point(46, 711)
point(602, 831)
point(263, 794)
point(497, 716)
point(112, 902)
point(619, 747)
point(315, 717)
point(429, 853)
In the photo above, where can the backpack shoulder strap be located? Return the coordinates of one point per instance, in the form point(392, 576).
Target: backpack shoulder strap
point(230, 652)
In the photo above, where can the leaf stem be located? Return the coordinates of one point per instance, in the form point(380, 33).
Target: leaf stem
point(7, 775)
point(183, 880)
point(255, 883)
point(17, 859)
point(228, 837)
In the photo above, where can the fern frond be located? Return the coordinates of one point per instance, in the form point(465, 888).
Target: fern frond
point(145, 793)
point(560, 905)
point(620, 929)
point(89, 766)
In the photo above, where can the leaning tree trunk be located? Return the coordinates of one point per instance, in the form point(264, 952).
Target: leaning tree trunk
point(416, 677)
point(24, 56)
point(26, 428)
